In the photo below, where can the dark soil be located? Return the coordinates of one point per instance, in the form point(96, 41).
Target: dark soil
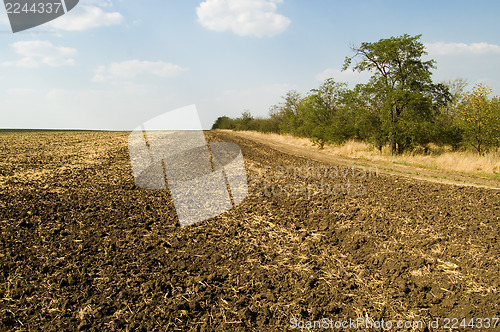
point(83, 248)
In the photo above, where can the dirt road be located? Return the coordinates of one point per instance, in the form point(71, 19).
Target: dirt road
point(82, 248)
point(419, 173)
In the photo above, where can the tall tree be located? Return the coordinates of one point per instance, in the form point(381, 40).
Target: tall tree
point(290, 114)
point(325, 116)
point(450, 131)
point(480, 118)
point(366, 105)
point(402, 81)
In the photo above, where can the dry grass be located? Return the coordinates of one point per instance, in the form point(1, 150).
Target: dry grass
point(439, 158)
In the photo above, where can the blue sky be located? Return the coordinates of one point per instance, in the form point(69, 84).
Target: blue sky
point(113, 64)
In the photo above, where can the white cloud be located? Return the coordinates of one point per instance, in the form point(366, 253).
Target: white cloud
point(84, 17)
point(243, 17)
point(442, 48)
point(37, 52)
point(134, 68)
point(348, 76)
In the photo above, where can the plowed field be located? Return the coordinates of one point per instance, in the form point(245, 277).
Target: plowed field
point(83, 248)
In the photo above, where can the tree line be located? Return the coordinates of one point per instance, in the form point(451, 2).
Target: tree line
point(400, 106)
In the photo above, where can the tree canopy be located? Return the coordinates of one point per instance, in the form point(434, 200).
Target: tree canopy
point(402, 83)
point(400, 106)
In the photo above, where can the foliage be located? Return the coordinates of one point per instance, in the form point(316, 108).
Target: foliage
point(480, 118)
point(224, 122)
point(326, 116)
point(402, 84)
point(449, 131)
point(399, 106)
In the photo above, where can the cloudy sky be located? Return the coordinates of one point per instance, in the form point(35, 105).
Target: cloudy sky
point(113, 64)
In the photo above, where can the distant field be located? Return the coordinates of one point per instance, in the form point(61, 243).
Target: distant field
point(83, 248)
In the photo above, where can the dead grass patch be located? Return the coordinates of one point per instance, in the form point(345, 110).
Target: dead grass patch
point(438, 157)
